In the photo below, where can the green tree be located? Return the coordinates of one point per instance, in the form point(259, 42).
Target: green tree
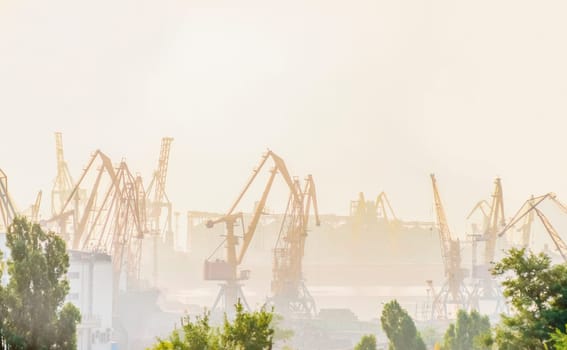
point(248, 331)
point(400, 329)
point(367, 342)
point(559, 339)
point(538, 293)
point(468, 332)
point(34, 315)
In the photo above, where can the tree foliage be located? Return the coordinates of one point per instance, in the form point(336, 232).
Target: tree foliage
point(538, 293)
point(248, 331)
point(34, 316)
point(468, 332)
point(367, 342)
point(400, 328)
point(559, 339)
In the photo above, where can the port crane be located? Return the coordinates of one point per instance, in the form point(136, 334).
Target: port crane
point(493, 220)
point(156, 195)
point(63, 184)
point(7, 208)
point(227, 269)
point(367, 213)
point(112, 218)
point(34, 210)
point(156, 201)
point(453, 290)
point(290, 294)
point(529, 208)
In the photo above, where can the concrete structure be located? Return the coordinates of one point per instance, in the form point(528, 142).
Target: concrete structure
point(90, 281)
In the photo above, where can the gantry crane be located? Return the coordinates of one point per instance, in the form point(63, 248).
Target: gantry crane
point(226, 269)
point(486, 287)
point(63, 184)
point(7, 208)
point(289, 292)
point(453, 290)
point(111, 220)
point(529, 208)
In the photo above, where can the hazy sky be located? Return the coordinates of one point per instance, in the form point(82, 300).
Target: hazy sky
point(365, 95)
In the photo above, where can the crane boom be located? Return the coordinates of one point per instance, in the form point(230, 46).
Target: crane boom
point(496, 220)
point(559, 243)
point(524, 210)
point(7, 208)
point(453, 290)
point(35, 208)
point(531, 206)
point(444, 233)
point(384, 207)
point(163, 165)
point(63, 183)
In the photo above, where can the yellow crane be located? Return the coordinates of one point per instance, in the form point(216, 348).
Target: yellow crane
point(34, 212)
point(367, 213)
point(227, 269)
point(453, 290)
point(156, 200)
point(63, 184)
point(156, 195)
point(529, 208)
point(112, 218)
point(289, 292)
point(486, 287)
point(7, 208)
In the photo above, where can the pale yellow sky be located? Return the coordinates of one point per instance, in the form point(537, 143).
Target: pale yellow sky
point(365, 95)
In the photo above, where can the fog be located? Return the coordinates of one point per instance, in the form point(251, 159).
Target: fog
point(367, 96)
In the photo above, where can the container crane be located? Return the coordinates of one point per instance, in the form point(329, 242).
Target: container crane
point(63, 184)
point(453, 290)
point(290, 294)
point(226, 269)
point(7, 208)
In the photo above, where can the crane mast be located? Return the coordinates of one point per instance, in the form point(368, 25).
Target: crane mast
point(453, 291)
point(486, 287)
point(63, 184)
point(156, 195)
point(496, 220)
point(156, 200)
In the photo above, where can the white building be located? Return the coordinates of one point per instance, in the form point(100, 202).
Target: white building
point(90, 281)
